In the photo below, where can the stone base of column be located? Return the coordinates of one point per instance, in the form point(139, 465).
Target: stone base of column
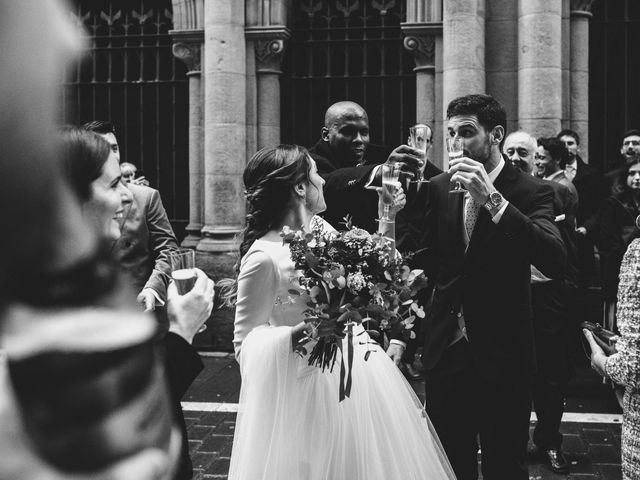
point(219, 239)
point(193, 236)
point(217, 255)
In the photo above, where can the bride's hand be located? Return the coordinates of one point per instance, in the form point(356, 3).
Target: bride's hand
point(399, 201)
point(318, 328)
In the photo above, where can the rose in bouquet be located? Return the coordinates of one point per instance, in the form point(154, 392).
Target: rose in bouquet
point(347, 278)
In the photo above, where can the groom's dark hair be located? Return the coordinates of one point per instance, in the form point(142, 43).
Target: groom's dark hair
point(488, 110)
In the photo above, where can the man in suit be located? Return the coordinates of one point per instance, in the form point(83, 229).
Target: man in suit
point(550, 154)
point(349, 163)
point(552, 300)
point(146, 235)
point(479, 348)
point(585, 179)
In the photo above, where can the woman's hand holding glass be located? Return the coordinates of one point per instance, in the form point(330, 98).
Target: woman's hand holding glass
point(391, 196)
point(420, 139)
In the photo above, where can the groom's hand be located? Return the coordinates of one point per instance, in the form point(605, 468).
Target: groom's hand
point(395, 352)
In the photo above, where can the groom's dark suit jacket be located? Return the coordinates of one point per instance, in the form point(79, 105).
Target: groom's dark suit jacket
point(491, 279)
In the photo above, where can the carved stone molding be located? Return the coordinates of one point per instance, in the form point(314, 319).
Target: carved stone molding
point(269, 45)
point(187, 46)
point(423, 49)
point(420, 39)
point(581, 8)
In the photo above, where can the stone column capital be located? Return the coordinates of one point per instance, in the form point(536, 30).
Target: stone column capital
point(581, 8)
point(269, 45)
point(187, 46)
point(420, 39)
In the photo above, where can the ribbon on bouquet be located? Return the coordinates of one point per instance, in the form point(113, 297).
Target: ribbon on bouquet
point(345, 385)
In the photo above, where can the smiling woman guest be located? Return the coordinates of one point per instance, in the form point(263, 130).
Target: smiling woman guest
point(94, 175)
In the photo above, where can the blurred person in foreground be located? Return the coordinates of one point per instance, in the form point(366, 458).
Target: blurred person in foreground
point(552, 300)
point(623, 367)
point(45, 230)
point(147, 237)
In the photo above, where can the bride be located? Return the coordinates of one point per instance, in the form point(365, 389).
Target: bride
point(290, 425)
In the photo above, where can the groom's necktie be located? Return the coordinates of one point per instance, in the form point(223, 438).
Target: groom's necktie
point(471, 212)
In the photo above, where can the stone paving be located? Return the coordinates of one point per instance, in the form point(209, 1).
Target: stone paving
point(593, 449)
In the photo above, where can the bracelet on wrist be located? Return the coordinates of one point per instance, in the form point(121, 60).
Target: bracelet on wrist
point(312, 330)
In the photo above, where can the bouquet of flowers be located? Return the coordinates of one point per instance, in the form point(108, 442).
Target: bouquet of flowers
point(352, 277)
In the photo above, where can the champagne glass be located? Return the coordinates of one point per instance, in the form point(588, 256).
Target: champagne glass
point(419, 138)
point(183, 263)
point(455, 149)
point(390, 182)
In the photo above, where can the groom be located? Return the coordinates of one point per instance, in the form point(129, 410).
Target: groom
point(479, 353)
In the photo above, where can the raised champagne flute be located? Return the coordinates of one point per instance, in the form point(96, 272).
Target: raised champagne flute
point(455, 149)
point(183, 263)
point(390, 183)
point(419, 139)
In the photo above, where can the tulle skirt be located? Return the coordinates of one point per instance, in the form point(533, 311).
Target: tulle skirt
point(291, 426)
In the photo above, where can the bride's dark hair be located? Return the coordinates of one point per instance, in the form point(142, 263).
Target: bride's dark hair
point(269, 178)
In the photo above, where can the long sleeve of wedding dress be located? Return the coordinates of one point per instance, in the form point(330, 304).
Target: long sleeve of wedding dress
point(257, 284)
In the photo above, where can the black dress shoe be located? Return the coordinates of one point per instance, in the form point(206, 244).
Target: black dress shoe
point(557, 460)
point(411, 372)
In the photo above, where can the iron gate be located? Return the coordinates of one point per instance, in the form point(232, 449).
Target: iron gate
point(131, 78)
point(347, 50)
point(613, 80)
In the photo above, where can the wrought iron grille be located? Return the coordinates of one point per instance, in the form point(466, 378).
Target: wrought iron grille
point(131, 78)
point(613, 80)
point(347, 50)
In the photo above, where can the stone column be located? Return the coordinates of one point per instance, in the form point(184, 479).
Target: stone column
point(566, 59)
point(225, 130)
point(540, 66)
point(463, 48)
point(269, 43)
point(580, 15)
point(463, 38)
point(187, 46)
point(502, 56)
point(266, 33)
point(422, 29)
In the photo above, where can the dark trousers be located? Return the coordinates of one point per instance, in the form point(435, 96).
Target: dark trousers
point(548, 401)
point(551, 326)
point(462, 405)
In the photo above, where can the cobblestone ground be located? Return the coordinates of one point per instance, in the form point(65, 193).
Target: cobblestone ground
point(593, 449)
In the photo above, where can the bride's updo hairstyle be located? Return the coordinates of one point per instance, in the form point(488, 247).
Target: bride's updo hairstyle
point(269, 179)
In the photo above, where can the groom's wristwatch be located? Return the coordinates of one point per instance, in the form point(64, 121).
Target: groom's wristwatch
point(494, 202)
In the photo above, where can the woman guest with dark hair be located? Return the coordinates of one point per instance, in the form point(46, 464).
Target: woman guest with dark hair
point(618, 227)
point(93, 173)
point(623, 367)
point(92, 168)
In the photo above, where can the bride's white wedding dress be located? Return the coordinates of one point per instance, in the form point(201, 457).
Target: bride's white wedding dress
point(290, 425)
